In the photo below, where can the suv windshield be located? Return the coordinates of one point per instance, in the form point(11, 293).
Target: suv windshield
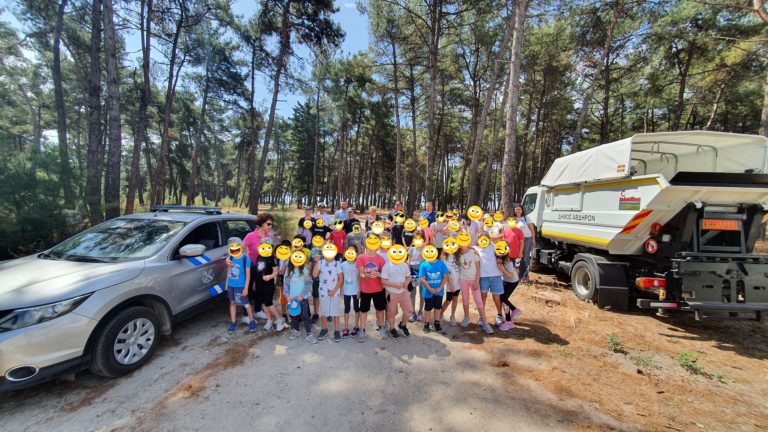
point(117, 240)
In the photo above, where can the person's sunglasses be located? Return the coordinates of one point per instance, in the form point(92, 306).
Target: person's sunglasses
point(269, 223)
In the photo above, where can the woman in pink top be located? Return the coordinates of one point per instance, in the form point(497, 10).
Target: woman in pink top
point(254, 238)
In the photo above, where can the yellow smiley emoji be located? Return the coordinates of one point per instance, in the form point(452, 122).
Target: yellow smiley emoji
point(454, 225)
point(317, 241)
point(265, 250)
point(409, 225)
point(307, 224)
point(418, 241)
point(483, 241)
point(377, 227)
point(235, 250)
point(450, 245)
point(399, 217)
point(397, 254)
point(356, 229)
point(512, 222)
point(429, 253)
point(372, 242)
point(475, 213)
point(440, 217)
point(424, 223)
point(463, 239)
point(330, 251)
point(297, 243)
point(501, 248)
point(338, 224)
point(386, 242)
point(298, 258)
point(498, 216)
point(319, 222)
point(283, 252)
point(488, 222)
point(350, 255)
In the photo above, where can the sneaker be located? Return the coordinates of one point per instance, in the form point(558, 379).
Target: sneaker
point(280, 325)
point(268, 325)
point(245, 319)
point(465, 322)
point(232, 327)
point(394, 334)
point(438, 327)
point(355, 331)
point(323, 333)
point(383, 332)
point(404, 329)
point(315, 318)
point(515, 313)
point(499, 320)
point(311, 338)
point(426, 327)
point(285, 318)
point(345, 333)
point(480, 321)
point(412, 317)
point(293, 334)
point(361, 336)
point(453, 321)
point(507, 325)
point(336, 336)
point(260, 315)
point(487, 328)
point(252, 326)
point(420, 317)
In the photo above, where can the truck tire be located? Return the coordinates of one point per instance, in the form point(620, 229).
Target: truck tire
point(126, 342)
point(584, 281)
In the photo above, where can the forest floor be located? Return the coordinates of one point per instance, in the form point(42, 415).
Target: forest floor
point(555, 371)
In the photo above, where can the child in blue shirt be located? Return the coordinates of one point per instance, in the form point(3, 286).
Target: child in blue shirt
point(433, 277)
point(238, 279)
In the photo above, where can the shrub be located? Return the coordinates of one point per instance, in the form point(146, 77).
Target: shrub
point(689, 361)
point(615, 344)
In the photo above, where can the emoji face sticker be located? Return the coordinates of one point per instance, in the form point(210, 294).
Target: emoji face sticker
point(410, 225)
point(418, 241)
point(283, 252)
point(297, 243)
point(399, 217)
point(454, 225)
point(498, 216)
point(501, 248)
point(330, 251)
point(424, 223)
point(386, 242)
point(298, 258)
point(512, 222)
point(475, 213)
point(377, 227)
point(429, 253)
point(235, 250)
point(307, 224)
point(338, 224)
point(463, 239)
point(356, 229)
point(488, 222)
point(483, 241)
point(440, 217)
point(350, 255)
point(265, 250)
point(317, 241)
point(372, 242)
point(397, 254)
point(450, 245)
point(319, 222)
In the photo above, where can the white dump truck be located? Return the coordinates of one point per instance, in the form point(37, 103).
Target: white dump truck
point(667, 219)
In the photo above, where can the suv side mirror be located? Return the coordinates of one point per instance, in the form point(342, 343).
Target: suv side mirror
point(192, 250)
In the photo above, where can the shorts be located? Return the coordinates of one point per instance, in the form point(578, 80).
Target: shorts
point(236, 296)
point(379, 301)
point(403, 300)
point(265, 294)
point(350, 302)
point(329, 306)
point(434, 302)
point(493, 284)
point(315, 288)
point(451, 295)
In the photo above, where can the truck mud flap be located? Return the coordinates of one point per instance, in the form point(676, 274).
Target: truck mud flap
point(617, 298)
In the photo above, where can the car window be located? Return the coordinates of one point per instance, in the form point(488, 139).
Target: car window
point(206, 234)
point(118, 240)
point(528, 204)
point(238, 228)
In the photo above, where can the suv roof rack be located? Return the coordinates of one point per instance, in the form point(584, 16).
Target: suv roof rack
point(188, 209)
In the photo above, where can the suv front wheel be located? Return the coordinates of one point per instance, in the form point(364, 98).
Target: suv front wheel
point(126, 342)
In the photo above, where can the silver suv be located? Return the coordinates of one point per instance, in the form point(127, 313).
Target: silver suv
point(100, 299)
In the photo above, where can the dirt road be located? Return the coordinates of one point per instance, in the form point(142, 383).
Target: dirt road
point(554, 372)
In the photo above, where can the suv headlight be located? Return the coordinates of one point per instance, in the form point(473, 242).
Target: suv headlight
point(26, 317)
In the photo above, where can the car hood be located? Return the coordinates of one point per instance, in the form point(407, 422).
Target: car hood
point(34, 281)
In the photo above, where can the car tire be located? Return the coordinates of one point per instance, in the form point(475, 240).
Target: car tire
point(584, 281)
point(126, 342)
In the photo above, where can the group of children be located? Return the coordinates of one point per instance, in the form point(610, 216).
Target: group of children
point(384, 261)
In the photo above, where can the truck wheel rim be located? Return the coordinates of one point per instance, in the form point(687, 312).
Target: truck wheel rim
point(134, 341)
point(582, 281)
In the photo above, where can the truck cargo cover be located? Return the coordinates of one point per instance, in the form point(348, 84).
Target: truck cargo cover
point(662, 153)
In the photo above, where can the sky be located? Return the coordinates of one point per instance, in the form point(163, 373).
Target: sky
point(351, 21)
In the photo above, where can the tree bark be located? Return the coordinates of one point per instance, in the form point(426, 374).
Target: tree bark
point(474, 192)
point(412, 195)
point(617, 11)
point(95, 151)
point(683, 72)
point(398, 139)
point(115, 136)
point(494, 146)
point(316, 150)
point(435, 32)
point(145, 33)
point(508, 164)
point(65, 170)
point(715, 106)
point(195, 168)
point(764, 114)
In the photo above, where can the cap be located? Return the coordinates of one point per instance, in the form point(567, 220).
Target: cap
point(322, 205)
point(308, 208)
point(350, 210)
point(234, 240)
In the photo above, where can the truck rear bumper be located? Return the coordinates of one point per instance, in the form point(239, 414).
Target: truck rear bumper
point(702, 306)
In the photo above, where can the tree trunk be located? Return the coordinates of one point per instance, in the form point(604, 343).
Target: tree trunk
point(316, 150)
point(764, 114)
point(285, 40)
point(617, 11)
point(115, 136)
point(412, 195)
point(195, 168)
point(494, 144)
point(508, 165)
point(94, 163)
point(436, 18)
point(474, 192)
point(145, 32)
point(65, 170)
point(398, 139)
point(683, 71)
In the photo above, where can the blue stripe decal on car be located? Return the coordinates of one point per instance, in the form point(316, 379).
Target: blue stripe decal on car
point(199, 260)
point(216, 290)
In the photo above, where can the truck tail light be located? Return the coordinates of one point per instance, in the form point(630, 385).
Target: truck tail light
point(656, 228)
point(650, 283)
